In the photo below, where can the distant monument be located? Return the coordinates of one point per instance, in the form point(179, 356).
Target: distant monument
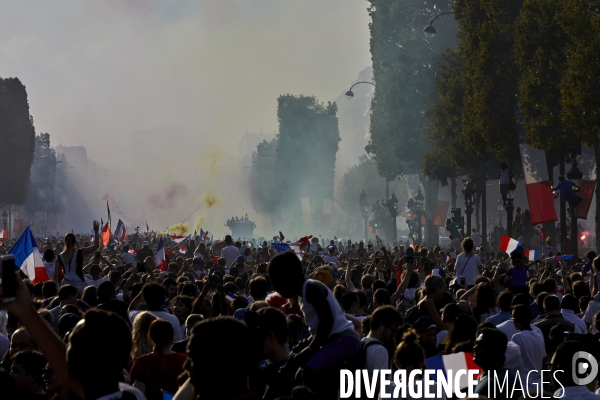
point(241, 227)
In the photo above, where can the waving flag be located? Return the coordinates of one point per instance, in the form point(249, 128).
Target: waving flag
point(28, 258)
point(201, 235)
point(105, 235)
point(563, 258)
point(206, 236)
point(296, 247)
point(179, 239)
point(161, 261)
point(147, 229)
point(3, 234)
point(537, 184)
point(120, 232)
point(508, 244)
point(281, 237)
point(453, 362)
point(532, 255)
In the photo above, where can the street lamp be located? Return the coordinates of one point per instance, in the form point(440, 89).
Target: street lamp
point(419, 202)
point(364, 208)
point(469, 196)
point(350, 93)
point(510, 197)
point(4, 218)
point(429, 29)
point(575, 176)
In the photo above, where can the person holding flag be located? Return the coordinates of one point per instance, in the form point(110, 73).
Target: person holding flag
point(71, 260)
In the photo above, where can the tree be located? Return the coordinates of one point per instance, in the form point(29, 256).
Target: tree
point(17, 136)
point(579, 86)
point(263, 179)
point(41, 194)
point(307, 144)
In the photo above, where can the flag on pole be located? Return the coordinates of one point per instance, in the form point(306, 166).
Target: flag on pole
point(105, 235)
point(206, 236)
point(108, 209)
point(28, 257)
point(179, 239)
point(532, 255)
point(147, 229)
point(120, 232)
point(281, 237)
point(508, 244)
point(296, 247)
point(161, 260)
point(3, 234)
point(201, 234)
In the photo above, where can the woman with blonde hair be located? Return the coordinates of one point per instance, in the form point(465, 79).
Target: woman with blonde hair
point(435, 287)
point(141, 341)
point(71, 260)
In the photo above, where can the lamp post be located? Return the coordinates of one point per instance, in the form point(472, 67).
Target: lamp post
point(4, 216)
point(469, 196)
point(419, 202)
point(429, 29)
point(364, 207)
point(510, 197)
point(575, 176)
point(500, 209)
point(392, 205)
point(350, 93)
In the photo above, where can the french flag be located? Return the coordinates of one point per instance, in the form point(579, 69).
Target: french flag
point(120, 232)
point(230, 297)
point(161, 260)
point(281, 237)
point(508, 244)
point(563, 258)
point(28, 257)
point(532, 255)
point(296, 247)
point(182, 250)
point(179, 239)
point(201, 234)
point(3, 234)
point(537, 184)
point(453, 362)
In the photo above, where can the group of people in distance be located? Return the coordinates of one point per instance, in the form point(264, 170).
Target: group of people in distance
point(235, 320)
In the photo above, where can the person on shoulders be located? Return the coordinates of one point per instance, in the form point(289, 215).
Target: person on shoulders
point(333, 340)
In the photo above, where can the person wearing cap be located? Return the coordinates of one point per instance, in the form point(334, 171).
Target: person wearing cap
point(331, 257)
point(144, 252)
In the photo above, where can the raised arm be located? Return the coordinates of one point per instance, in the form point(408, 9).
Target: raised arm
point(410, 268)
point(90, 249)
point(348, 277)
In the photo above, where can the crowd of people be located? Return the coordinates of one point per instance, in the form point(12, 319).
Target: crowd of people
point(234, 320)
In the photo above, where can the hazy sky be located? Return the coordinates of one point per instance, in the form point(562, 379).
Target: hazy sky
point(96, 70)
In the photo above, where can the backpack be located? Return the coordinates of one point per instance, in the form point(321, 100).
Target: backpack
point(360, 362)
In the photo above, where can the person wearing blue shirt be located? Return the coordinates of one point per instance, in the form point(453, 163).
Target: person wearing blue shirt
point(568, 189)
point(505, 303)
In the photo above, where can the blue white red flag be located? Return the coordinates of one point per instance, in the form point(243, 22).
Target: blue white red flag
point(28, 257)
point(508, 244)
point(296, 247)
point(3, 234)
point(229, 297)
point(201, 234)
point(453, 362)
point(120, 232)
point(281, 237)
point(532, 255)
point(161, 260)
point(563, 258)
point(179, 239)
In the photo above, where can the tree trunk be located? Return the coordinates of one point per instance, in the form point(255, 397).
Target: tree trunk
point(597, 151)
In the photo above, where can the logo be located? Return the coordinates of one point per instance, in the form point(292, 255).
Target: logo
point(584, 368)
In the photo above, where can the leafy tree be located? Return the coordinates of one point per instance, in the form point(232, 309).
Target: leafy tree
point(17, 136)
point(579, 87)
point(41, 194)
point(307, 144)
point(263, 179)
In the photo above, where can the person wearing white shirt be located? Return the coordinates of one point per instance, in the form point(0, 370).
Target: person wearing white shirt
point(509, 329)
point(589, 317)
point(563, 371)
point(569, 307)
point(230, 253)
point(331, 257)
point(154, 294)
point(476, 236)
point(530, 343)
point(468, 264)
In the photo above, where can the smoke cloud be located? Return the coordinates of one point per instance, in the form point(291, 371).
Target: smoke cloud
point(168, 198)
